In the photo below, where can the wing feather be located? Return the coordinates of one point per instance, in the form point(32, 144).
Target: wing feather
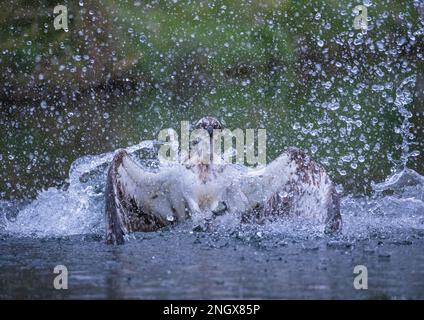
point(128, 191)
point(292, 185)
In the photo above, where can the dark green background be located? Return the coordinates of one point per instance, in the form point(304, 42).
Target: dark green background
point(127, 69)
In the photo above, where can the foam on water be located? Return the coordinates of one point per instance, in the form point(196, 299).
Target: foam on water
point(75, 209)
point(397, 204)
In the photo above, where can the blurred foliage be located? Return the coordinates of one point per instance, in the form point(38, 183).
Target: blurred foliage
point(126, 69)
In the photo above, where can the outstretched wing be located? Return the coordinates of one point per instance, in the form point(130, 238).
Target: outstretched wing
point(293, 184)
point(138, 200)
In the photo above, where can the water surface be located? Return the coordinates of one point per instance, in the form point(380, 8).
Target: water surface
point(283, 259)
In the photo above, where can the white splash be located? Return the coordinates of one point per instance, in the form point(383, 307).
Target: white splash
point(77, 209)
point(397, 204)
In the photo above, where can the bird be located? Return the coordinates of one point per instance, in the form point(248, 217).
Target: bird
point(138, 199)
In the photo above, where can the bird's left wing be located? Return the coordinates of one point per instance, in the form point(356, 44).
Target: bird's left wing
point(293, 184)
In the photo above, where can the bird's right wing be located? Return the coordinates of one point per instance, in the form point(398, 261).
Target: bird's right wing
point(138, 200)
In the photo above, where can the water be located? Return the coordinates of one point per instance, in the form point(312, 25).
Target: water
point(180, 265)
point(283, 259)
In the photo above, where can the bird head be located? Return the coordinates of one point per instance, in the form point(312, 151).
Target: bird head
point(201, 142)
point(209, 124)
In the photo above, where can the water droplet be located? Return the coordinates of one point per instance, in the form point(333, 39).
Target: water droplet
point(296, 126)
point(379, 72)
point(170, 218)
point(246, 82)
point(377, 87)
point(380, 45)
point(358, 42)
point(368, 3)
point(105, 115)
point(333, 105)
point(347, 158)
point(142, 38)
point(356, 107)
point(339, 188)
point(327, 85)
point(355, 70)
point(320, 43)
point(401, 41)
point(43, 104)
point(342, 172)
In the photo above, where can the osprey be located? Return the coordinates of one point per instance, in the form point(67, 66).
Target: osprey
point(138, 199)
